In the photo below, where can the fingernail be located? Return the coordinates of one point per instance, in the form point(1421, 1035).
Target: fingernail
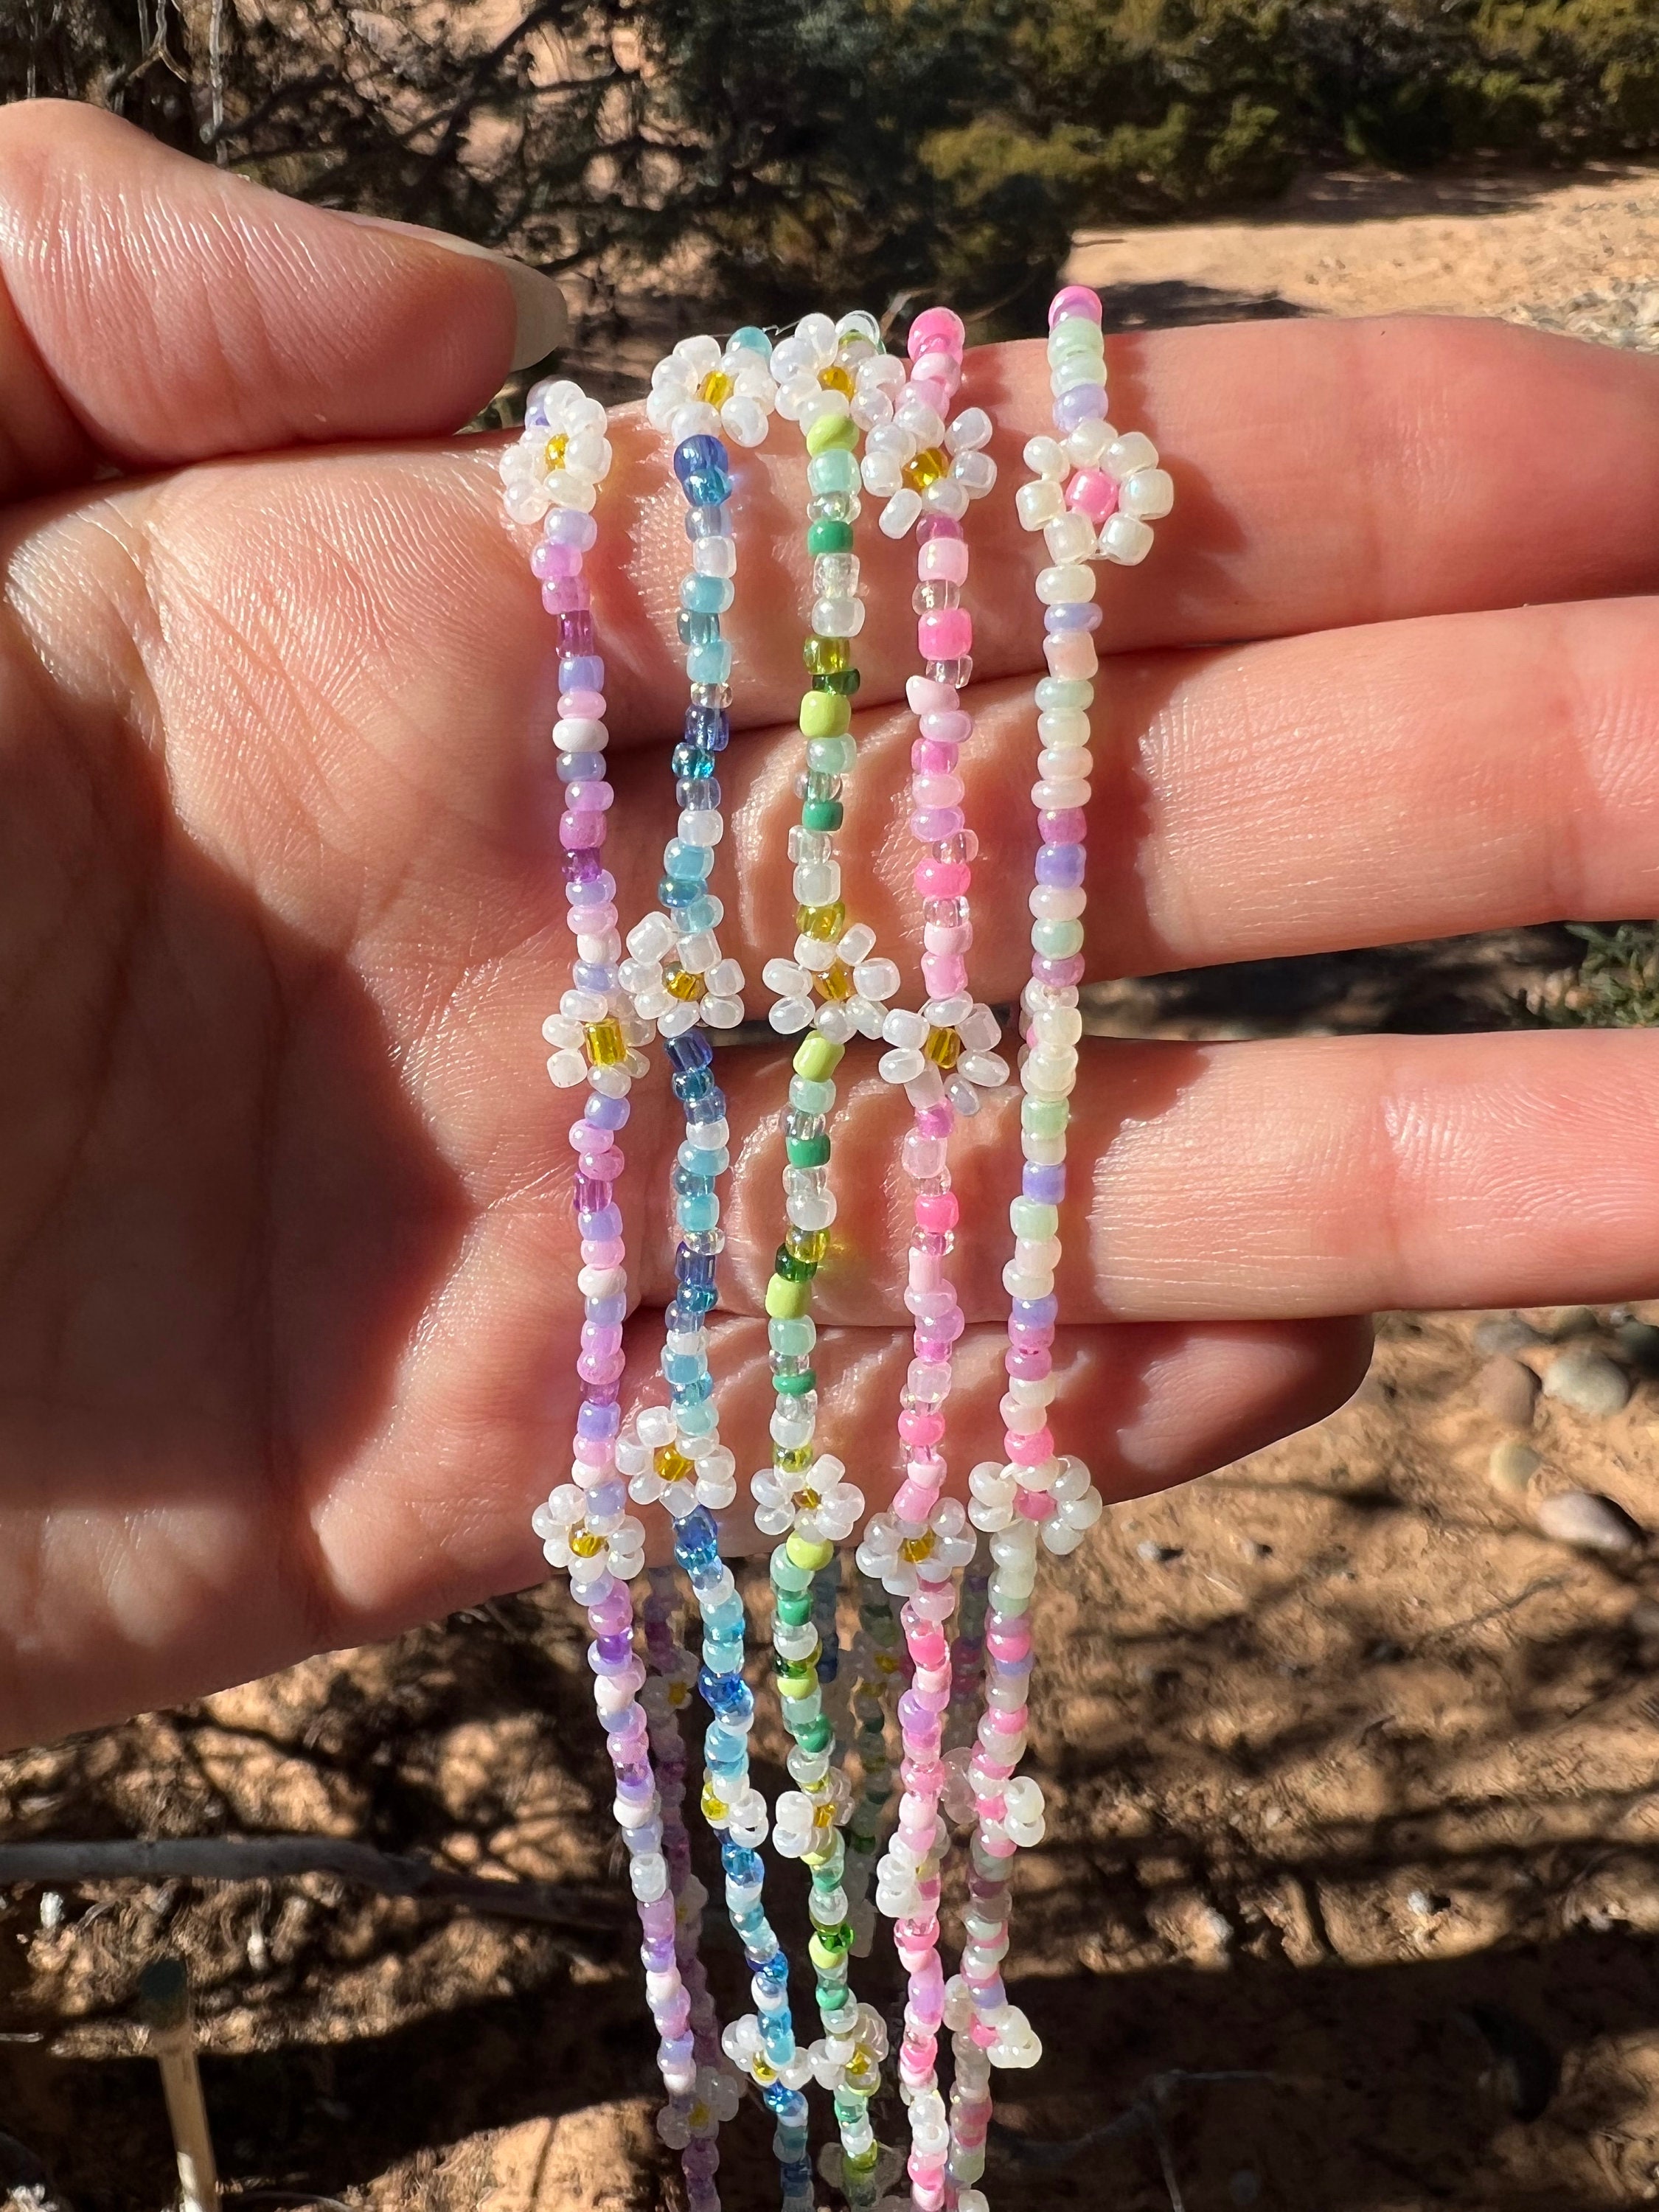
point(544, 320)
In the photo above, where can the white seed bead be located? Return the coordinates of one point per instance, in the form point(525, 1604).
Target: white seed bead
point(1126, 539)
point(1069, 584)
point(1150, 493)
point(1039, 502)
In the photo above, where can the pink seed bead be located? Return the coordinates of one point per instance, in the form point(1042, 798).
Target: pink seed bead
point(916, 1427)
point(943, 973)
point(947, 937)
point(611, 1254)
point(1071, 659)
point(929, 757)
point(1032, 1450)
point(1093, 493)
point(939, 330)
point(565, 595)
point(580, 832)
point(925, 694)
point(945, 633)
point(913, 1503)
point(935, 1122)
point(945, 558)
point(1066, 825)
point(1074, 300)
point(589, 798)
point(942, 878)
point(950, 725)
point(1036, 1504)
point(582, 705)
point(936, 791)
point(939, 1209)
point(548, 561)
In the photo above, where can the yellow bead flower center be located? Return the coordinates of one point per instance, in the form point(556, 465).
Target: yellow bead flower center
point(553, 451)
point(670, 1464)
point(716, 388)
point(585, 1544)
point(835, 379)
point(943, 1047)
point(914, 1548)
point(837, 981)
point(929, 466)
point(684, 983)
point(605, 1047)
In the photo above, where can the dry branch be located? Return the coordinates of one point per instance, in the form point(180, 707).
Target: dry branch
point(265, 1858)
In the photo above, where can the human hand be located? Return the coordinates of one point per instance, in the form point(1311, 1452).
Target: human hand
point(287, 1307)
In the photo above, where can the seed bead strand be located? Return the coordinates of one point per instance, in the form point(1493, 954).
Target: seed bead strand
point(552, 476)
point(835, 381)
point(943, 1058)
point(876, 1664)
point(681, 982)
point(1094, 496)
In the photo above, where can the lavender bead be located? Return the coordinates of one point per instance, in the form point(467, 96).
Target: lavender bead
point(581, 671)
point(1060, 864)
point(1076, 614)
point(1044, 1186)
point(604, 1113)
point(1083, 402)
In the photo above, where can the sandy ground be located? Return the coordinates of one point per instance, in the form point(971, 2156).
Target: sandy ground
point(1350, 1899)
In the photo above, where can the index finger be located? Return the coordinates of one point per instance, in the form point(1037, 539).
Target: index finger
point(1328, 474)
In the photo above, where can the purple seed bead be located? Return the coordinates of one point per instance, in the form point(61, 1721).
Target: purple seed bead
point(575, 637)
point(613, 1649)
point(937, 526)
point(592, 975)
point(610, 1312)
point(603, 1394)
point(1067, 825)
point(567, 525)
point(1078, 614)
point(581, 671)
point(582, 868)
point(548, 561)
point(590, 1194)
point(1036, 1313)
point(1045, 1186)
point(1083, 402)
point(599, 1227)
point(579, 832)
point(1062, 973)
point(1060, 864)
point(597, 1422)
point(604, 1113)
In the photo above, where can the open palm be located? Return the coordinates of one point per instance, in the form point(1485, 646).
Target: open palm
point(287, 1302)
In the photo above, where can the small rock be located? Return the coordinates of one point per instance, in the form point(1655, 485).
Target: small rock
point(1504, 1332)
point(1639, 1342)
point(51, 1909)
point(1251, 1549)
point(1422, 1905)
point(1592, 1523)
point(1512, 1465)
point(1156, 1555)
point(1507, 1391)
point(1587, 1380)
point(1385, 1652)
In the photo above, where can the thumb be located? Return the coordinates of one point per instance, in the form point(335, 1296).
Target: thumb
point(154, 311)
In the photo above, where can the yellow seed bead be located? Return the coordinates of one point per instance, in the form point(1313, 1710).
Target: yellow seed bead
point(837, 378)
point(714, 1805)
point(943, 1047)
point(862, 2076)
point(836, 982)
point(683, 982)
point(605, 1047)
point(794, 1459)
point(786, 1301)
point(825, 924)
point(762, 2072)
point(809, 1244)
point(808, 1500)
point(917, 1547)
point(585, 1544)
point(929, 466)
point(803, 1553)
point(716, 388)
point(670, 1464)
point(553, 451)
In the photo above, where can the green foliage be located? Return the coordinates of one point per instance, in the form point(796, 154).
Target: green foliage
point(760, 154)
point(1617, 986)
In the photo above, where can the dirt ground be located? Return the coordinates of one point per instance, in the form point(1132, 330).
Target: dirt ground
point(1350, 1897)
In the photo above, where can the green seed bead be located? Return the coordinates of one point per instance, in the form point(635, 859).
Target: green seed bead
point(822, 814)
point(831, 432)
point(1058, 940)
point(817, 1735)
point(795, 1679)
point(834, 470)
point(1057, 694)
point(824, 714)
point(1077, 334)
point(793, 1339)
point(796, 1385)
point(817, 1058)
point(786, 1299)
point(1044, 1118)
point(844, 680)
point(830, 756)
point(800, 1152)
point(827, 537)
point(791, 1267)
point(794, 1607)
point(786, 1575)
point(1027, 1218)
point(808, 1097)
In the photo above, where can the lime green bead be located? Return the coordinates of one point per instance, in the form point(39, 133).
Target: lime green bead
point(825, 714)
point(1028, 1217)
point(807, 1553)
point(831, 432)
point(787, 1300)
point(817, 1058)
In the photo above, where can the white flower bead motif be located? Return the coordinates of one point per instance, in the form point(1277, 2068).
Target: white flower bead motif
point(802, 1823)
point(901, 1563)
point(819, 1505)
point(944, 1052)
point(663, 1472)
point(667, 1695)
point(1073, 1504)
point(704, 389)
point(698, 2118)
point(562, 456)
point(852, 2060)
point(676, 982)
point(741, 2044)
point(595, 1042)
point(1016, 2044)
point(850, 986)
point(1094, 495)
point(582, 1545)
point(837, 369)
point(920, 466)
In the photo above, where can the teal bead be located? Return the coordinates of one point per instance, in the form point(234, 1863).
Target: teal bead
point(836, 470)
point(698, 1212)
point(696, 1420)
point(792, 1339)
point(705, 595)
point(807, 1096)
point(688, 864)
point(710, 663)
point(831, 756)
point(753, 341)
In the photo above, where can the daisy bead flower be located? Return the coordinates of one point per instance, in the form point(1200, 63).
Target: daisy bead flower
point(917, 463)
point(700, 2118)
point(562, 455)
point(745, 2047)
point(944, 1052)
point(704, 389)
point(585, 1543)
point(661, 1469)
point(801, 1823)
point(851, 987)
point(839, 368)
point(1097, 493)
point(1059, 1494)
point(596, 1042)
point(818, 1504)
point(902, 1564)
point(678, 981)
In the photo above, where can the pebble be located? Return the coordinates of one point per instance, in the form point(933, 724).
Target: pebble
point(1593, 1522)
point(51, 1909)
point(1504, 1332)
point(1512, 1465)
point(1507, 1391)
point(1252, 1548)
point(1154, 1554)
point(1587, 1380)
point(1639, 1342)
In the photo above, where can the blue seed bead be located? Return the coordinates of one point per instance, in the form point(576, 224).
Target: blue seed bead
point(691, 1049)
point(725, 1618)
point(688, 863)
point(753, 340)
point(690, 762)
point(693, 456)
point(695, 1268)
point(696, 1538)
point(689, 1398)
point(709, 1106)
point(706, 595)
point(694, 1212)
point(708, 487)
point(580, 767)
point(706, 522)
point(675, 896)
point(709, 663)
point(708, 726)
point(697, 629)
point(695, 1160)
point(680, 1366)
point(702, 912)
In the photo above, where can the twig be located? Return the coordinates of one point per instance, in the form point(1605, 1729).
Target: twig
point(1497, 1611)
point(260, 1858)
point(164, 2006)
